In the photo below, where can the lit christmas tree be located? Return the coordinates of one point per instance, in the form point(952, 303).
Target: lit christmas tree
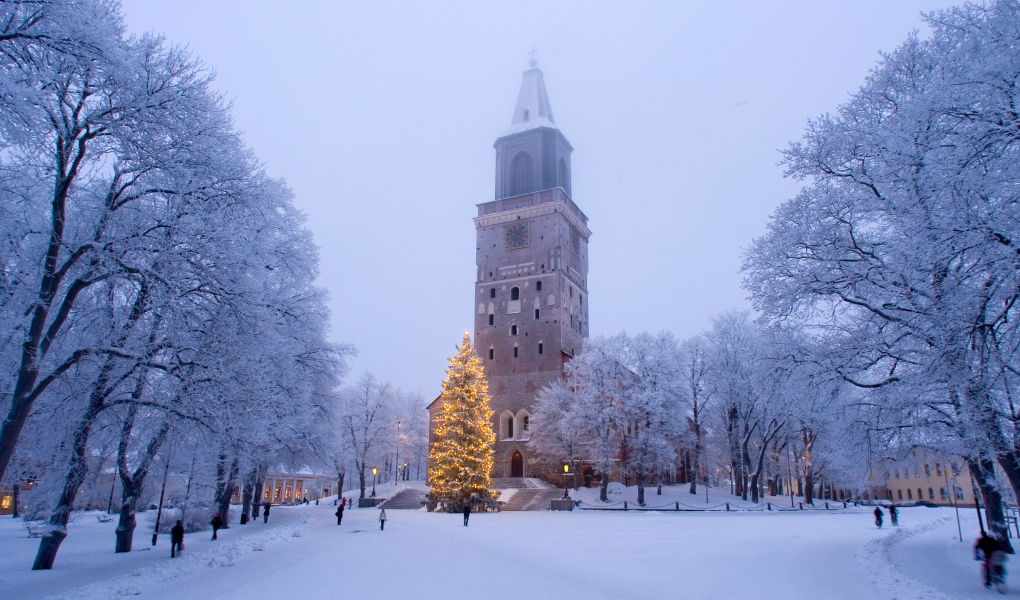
point(461, 458)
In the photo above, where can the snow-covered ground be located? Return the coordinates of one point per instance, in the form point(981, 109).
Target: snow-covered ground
point(582, 554)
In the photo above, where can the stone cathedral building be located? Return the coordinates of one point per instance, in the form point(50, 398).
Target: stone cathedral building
point(531, 289)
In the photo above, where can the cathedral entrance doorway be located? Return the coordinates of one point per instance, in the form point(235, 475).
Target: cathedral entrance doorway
point(517, 465)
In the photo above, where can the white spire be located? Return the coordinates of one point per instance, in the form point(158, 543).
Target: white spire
point(533, 101)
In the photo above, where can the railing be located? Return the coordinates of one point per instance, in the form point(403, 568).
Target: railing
point(723, 507)
point(532, 199)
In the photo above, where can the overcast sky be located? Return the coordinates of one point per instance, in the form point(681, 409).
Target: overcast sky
point(381, 117)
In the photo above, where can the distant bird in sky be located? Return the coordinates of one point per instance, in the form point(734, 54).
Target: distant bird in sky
point(741, 102)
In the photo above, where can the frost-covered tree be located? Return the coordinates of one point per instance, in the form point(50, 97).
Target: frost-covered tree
point(368, 422)
point(903, 248)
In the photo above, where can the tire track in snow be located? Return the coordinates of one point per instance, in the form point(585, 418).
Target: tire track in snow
point(147, 578)
point(876, 560)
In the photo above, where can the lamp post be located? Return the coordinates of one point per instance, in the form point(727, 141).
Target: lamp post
point(406, 478)
point(374, 471)
point(397, 459)
point(566, 471)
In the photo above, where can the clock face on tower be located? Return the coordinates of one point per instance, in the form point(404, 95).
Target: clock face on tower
point(517, 235)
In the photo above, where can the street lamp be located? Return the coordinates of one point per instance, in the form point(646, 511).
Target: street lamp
point(374, 471)
point(397, 460)
point(406, 478)
point(566, 470)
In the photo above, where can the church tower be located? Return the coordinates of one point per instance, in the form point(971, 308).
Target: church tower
point(531, 292)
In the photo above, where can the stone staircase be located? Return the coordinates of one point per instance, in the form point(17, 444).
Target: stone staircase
point(409, 499)
point(532, 499)
point(519, 483)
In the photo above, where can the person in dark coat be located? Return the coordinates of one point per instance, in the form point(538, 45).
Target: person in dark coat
point(176, 539)
point(265, 513)
point(467, 512)
point(894, 515)
point(878, 517)
point(340, 514)
point(382, 519)
point(988, 550)
point(216, 523)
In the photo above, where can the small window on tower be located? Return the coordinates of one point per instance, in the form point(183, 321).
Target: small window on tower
point(571, 292)
point(536, 314)
point(490, 319)
point(490, 353)
point(515, 293)
point(526, 113)
point(492, 291)
point(515, 351)
point(513, 330)
point(538, 284)
point(540, 347)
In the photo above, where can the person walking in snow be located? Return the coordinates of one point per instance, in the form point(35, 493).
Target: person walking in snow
point(990, 551)
point(878, 516)
point(176, 539)
point(216, 523)
point(467, 512)
point(894, 515)
point(382, 519)
point(340, 514)
point(265, 513)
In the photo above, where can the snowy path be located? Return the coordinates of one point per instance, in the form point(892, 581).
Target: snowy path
point(538, 554)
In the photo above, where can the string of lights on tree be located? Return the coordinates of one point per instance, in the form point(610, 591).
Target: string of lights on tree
point(461, 458)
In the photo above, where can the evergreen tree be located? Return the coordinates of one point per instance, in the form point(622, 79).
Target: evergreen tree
point(461, 458)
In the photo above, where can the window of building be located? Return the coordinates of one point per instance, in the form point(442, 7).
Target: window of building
point(927, 471)
point(538, 284)
point(959, 493)
point(900, 494)
point(490, 353)
point(942, 494)
point(520, 174)
point(897, 473)
point(490, 319)
point(513, 330)
point(938, 469)
point(540, 347)
point(571, 292)
point(515, 293)
point(527, 423)
point(564, 176)
point(536, 313)
point(527, 114)
point(510, 427)
point(931, 494)
point(910, 495)
point(920, 494)
point(515, 351)
point(492, 292)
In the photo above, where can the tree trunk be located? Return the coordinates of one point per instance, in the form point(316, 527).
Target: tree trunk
point(983, 471)
point(696, 462)
point(361, 479)
point(246, 495)
point(641, 487)
point(733, 436)
point(340, 483)
point(226, 489)
point(16, 492)
point(133, 484)
point(76, 472)
point(604, 488)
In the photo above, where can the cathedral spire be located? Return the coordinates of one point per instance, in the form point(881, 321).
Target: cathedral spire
point(533, 101)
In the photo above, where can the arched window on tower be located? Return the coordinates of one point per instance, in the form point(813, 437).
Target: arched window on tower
point(564, 176)
point(490, 319)
point(520, 174)
point(515, 293)
point(513, 330)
